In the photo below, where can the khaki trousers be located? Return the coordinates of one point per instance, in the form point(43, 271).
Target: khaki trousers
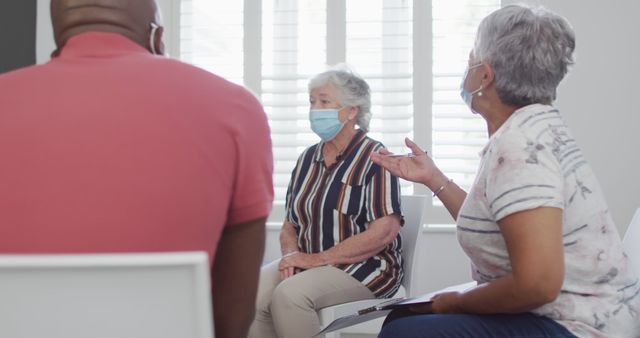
point(288, 309)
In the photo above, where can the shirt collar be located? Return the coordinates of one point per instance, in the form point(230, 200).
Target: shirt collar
point(526, 111)
point(100, 44)
point(355, 140)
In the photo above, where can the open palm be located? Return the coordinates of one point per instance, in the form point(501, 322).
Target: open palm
point(416, 168)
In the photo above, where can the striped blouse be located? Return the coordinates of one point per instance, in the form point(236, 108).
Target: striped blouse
point(330, 204)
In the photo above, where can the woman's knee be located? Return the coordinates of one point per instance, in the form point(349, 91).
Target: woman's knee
point(262, 305)
point(287, 297)
point(269, 280)
point(422, 326)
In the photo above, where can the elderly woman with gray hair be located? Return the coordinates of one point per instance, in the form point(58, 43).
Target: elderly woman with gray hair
point(544, 249)
point(340, 239)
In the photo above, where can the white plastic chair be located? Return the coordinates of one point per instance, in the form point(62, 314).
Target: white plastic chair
point(158, 295)
point(412, 209)
point(631, 240)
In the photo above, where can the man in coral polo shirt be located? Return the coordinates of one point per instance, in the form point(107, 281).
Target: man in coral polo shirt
point(110, 148)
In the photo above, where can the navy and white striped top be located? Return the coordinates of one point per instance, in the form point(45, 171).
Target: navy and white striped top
point(330, 204)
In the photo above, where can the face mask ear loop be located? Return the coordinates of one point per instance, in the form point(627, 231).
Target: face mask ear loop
point(152, 45)
point(477, 91)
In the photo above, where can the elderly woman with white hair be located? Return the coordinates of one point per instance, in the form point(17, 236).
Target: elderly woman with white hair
point(543, 246)
point(340, 239)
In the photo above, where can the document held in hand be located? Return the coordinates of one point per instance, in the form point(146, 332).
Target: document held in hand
point(385, 306)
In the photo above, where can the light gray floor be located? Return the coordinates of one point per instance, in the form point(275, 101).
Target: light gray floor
point(346, 335)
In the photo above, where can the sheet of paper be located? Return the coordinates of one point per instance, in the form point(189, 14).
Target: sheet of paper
point(353, 319)
point(385, 306)
point(429, 296)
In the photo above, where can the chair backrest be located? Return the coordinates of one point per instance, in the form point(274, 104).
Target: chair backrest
point(631, 240)
point(157, 295)
point(412, 209)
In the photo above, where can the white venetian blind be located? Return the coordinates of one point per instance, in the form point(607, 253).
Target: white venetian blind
point(294, 47)
point(379, 44)
point(211, 34)
point(458, 135)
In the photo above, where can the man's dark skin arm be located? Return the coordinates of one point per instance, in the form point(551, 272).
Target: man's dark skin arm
point(235, 274)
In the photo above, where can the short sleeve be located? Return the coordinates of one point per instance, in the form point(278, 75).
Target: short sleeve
point(522, 174)
point(253, 186)
point(289, 197)
point(382, 193)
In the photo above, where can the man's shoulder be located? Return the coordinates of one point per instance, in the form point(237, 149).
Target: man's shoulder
point(22, 74)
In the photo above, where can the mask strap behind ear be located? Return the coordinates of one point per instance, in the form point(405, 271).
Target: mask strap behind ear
point(152, 44)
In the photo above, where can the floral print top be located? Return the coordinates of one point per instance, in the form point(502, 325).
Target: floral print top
point(532, 161)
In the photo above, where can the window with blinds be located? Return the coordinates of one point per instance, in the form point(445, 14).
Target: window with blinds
point(457, 135)
point(211, 35)
point(379, 44)
point(299, 38)
point(294, 48)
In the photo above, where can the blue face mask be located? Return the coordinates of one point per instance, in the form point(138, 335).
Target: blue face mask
point(466, 95)
point(325, 123)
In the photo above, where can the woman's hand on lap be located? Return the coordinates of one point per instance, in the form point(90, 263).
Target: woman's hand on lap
point(293, 263)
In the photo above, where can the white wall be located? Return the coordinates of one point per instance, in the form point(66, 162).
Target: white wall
point(44, 33)
point(441, 261)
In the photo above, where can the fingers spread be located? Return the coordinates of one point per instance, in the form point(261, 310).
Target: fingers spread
point(413, 146)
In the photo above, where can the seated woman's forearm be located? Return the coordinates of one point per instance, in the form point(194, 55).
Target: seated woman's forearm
point(506, 295)
point(288, 238)
point(345, 254)
point(362, 246)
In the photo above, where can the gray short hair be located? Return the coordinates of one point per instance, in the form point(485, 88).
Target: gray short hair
point(530, 51)
point(353, 91)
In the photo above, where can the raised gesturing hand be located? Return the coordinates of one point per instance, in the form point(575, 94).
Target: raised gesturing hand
point(416, 167)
